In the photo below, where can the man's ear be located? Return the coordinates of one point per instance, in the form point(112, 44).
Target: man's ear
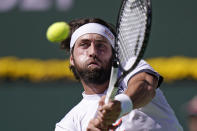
point(71, 60)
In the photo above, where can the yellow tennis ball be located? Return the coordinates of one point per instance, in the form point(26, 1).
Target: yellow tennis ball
point(57, 32)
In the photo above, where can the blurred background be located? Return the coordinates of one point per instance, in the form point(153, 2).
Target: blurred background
point(36, 87)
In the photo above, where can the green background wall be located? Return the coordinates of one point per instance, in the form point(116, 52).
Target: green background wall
point(23, 32)
point(26, 106)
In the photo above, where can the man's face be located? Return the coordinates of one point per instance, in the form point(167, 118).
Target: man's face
point(92, 56)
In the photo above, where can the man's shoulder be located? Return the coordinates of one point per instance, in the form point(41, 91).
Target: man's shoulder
point(80, 114)
point(73, 114)
point(77, 108)
point(80, 109)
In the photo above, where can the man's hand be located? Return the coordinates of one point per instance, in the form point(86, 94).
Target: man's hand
point(141, 90)
point(107, 114)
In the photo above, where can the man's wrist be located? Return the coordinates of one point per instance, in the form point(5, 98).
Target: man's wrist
point(126, 104)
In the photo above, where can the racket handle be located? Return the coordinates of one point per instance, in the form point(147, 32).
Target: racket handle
point(112, 90)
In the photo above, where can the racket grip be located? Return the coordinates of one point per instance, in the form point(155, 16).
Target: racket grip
point(112, 89)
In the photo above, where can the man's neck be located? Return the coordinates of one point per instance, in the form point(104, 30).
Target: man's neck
point(94, 88)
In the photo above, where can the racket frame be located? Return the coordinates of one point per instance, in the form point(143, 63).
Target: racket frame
point(114, 79)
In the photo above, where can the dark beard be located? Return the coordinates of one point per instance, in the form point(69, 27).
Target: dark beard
point(95, 76)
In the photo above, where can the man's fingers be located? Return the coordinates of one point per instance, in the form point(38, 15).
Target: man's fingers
point(102, 101)
point(97, 124)
point(109, 113)
point(92, 126)
point(111, 107)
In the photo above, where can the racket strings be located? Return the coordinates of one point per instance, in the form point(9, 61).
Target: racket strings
point(131, 30)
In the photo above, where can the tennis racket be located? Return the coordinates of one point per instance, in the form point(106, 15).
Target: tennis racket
point(133, 29)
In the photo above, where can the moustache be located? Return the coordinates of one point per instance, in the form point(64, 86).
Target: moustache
point(94, 60)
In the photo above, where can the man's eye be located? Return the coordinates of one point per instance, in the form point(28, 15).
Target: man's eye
point(101, 46)
point(84, 44)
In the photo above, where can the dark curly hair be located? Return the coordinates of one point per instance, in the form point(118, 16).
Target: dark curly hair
point(75, 24)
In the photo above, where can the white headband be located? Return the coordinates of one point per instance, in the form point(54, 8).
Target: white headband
point(92, 28)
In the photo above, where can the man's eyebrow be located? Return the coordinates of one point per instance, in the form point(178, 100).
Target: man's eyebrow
point(85, 40)
point(101, 40)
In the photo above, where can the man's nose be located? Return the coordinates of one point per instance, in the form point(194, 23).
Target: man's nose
point(92, 50)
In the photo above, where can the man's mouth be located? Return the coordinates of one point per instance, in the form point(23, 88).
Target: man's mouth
point(93, 65)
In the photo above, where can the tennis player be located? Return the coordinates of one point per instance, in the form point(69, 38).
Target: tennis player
point(139, 104)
